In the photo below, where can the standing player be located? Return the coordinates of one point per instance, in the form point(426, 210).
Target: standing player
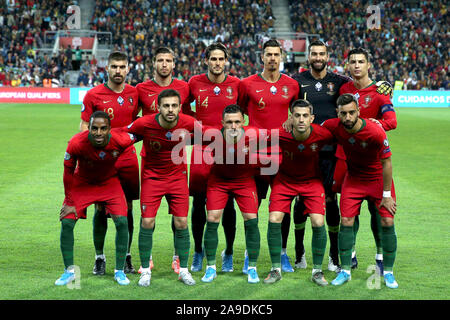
point(232, 174)
point(162, 176)
point(119, 100)
point(90, 176)
point(369, 176)
point(163, 64)
point(266, 98)
point(212, 92)
point(321, 87)
point(376, 107)
point(299, 175)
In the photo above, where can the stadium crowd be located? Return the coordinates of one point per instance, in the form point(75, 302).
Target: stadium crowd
point(411, 46)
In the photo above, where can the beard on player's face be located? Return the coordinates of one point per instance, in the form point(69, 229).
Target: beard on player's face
point(318, 66)
point(117, 79)
point(349, 124)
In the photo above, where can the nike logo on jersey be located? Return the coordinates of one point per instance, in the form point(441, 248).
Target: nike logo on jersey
point(151, 95)
point(201, 90)
point(258, 91)
point(107, 101)
point(305, 85)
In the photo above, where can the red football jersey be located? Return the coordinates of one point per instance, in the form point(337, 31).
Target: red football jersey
point(211, 98)
point(300, 159)
point(373, 104)
point(237, 160)
point(149, 90)
point(364, 149)
point(159, 144)
point(122, 108)
point(94, 165)
point(267, 104)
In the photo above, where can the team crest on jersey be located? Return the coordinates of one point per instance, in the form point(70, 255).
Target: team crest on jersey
point(285, 92)
point(351, 140)
point(130, 99)
point(367, 100)
point(314, 147)
point(301, 147)
point(230, 93)
point(216, 90)
point(115, 153)
point(330, 86)
point(273, 89)
point(66, 156)
point(318, 86)
point(102, 155)
point(120, 100)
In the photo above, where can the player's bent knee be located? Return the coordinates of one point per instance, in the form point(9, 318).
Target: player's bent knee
point(387, 221)
point(276, 216)
point(180, 223)
point(249, 216)
point(316, 219)
point(347, 221)
point(148, 223)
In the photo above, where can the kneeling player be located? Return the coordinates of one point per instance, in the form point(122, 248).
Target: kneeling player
point(299, 175)
point(90, 177)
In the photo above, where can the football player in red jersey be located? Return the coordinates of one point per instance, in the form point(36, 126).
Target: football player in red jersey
point(299, 175)
point(90, 176)
point(266, 98)
point(162, 176)
point(120, 101)
point(378, 108)
point(212, 92)
point(163, 65)
point(232, 174)
point(369, 176)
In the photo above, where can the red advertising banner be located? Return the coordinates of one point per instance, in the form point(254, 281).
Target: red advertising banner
point(34, 95)
point(293, 45)
point(85, 43)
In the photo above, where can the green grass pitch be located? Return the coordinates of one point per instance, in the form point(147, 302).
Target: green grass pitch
point(33, 139)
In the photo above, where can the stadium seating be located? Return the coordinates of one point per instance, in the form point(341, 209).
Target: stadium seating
point(411, 46)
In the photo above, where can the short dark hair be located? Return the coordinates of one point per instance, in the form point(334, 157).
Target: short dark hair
point(272, 43)
point(168, 93)
point(359, 51)
point(117, 56)
point(345, 99)
point(301, 103)
point(216, 46)
point(232, 108)
point(160, 50)
point(317, 43)
point(99, 114)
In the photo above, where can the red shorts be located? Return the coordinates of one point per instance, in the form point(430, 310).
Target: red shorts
point(109, 193)
point(175, 190)
point(128, 169)
point(339, 174)
point(354, 191)
point(283, 192)
point(199, 170)
point(243, 190)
